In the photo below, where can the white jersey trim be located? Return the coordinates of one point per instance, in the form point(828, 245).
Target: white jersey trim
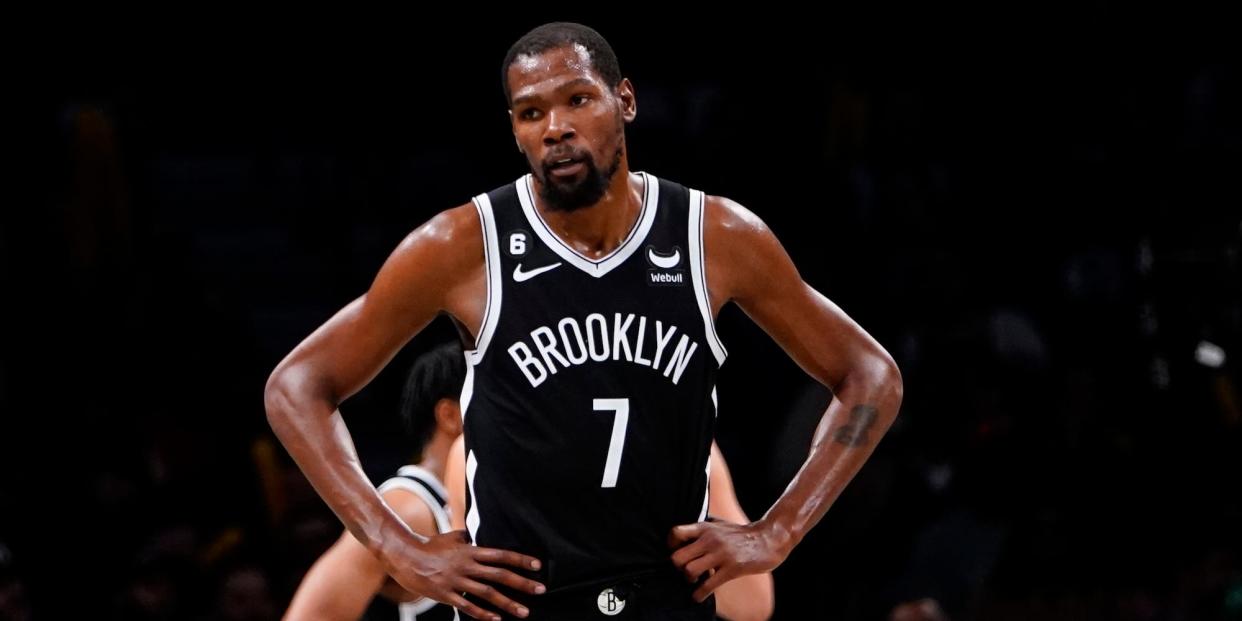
point(467, 388)
point(409, 611)
point(491, 260)
point(697, 273)
point(707, 471)
point(603, 265)
point(707, 488)
point(426, 476)
point(472, 516)
point(437, 510)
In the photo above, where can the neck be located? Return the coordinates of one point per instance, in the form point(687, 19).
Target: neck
point(597, 230)
point(435, 454)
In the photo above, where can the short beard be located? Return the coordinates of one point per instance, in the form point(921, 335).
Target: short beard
point(570, 195)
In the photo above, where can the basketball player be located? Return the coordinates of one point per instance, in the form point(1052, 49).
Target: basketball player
point(587, 294)
point(341, 584)
point(746, 598)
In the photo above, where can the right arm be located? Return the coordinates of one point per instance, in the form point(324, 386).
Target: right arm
point(437, 268)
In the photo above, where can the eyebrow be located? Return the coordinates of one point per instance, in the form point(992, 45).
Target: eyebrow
point(569, 84)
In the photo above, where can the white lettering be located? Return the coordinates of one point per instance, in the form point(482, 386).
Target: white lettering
point(548, 347)
point(663, 277)
point(680, 358)
point(549, 352)
point(638, 349)
point(581, 356)
point(621, 337)
point(526, 360)
point(596, 354)
point(662, 341)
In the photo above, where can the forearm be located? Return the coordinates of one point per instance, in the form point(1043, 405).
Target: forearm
point(307, 423)
point(865, 405)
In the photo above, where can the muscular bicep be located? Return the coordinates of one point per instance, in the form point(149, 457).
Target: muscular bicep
point(431, 271)
point(749, 266)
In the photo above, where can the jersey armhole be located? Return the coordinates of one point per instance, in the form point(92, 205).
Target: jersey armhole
point(491, 260)
point(698, 274)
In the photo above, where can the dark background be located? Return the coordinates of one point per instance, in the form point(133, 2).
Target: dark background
point(1047, 237)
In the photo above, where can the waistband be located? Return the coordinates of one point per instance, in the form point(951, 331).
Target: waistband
point(619, 599)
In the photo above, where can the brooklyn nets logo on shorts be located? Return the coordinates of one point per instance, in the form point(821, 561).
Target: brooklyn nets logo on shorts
point(609, 603)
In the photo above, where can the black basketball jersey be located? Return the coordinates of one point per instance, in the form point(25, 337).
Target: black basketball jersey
point(589, 402)
point(426, 486)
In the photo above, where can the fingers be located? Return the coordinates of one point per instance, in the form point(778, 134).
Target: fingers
point(505, 557)
point(716, 579)
point(464, 605)
point(695, 568)
point(679, 535)
point(494, 597)
point(689, 553)
point(497, 575)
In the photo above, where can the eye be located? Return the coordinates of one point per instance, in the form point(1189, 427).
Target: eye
point(578, 99)
point(528, 114)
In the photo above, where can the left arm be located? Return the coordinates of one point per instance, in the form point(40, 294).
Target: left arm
point(746, 264)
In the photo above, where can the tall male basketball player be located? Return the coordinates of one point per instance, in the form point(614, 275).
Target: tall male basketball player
point(587, 294)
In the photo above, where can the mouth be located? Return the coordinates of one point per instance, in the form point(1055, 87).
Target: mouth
point(565, 166)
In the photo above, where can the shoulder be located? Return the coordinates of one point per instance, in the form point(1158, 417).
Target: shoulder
point(457, 227)
point(449, 244)
point(743, 255)
point(727, 220)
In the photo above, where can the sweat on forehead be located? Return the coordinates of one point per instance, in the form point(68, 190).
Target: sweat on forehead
point(555, 70)
point(575, 56)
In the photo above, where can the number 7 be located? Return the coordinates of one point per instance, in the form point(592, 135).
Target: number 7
point(617, 444)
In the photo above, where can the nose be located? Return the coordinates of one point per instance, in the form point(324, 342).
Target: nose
point(558, 128)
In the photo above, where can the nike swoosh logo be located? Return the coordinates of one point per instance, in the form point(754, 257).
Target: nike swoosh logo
point(520, 276)
point(664, 262)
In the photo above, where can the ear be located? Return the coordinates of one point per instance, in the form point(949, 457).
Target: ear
point(448, 416)
point(629, 105)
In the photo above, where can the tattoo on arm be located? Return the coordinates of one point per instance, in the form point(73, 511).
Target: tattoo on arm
point(854, 433)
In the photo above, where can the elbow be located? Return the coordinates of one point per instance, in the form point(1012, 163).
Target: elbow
point(295, 390)
point(884, 376)
point(277, 399)
point(286, 388)
point(893, 382)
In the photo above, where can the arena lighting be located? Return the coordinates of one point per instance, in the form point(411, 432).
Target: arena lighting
point(1210, 354)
